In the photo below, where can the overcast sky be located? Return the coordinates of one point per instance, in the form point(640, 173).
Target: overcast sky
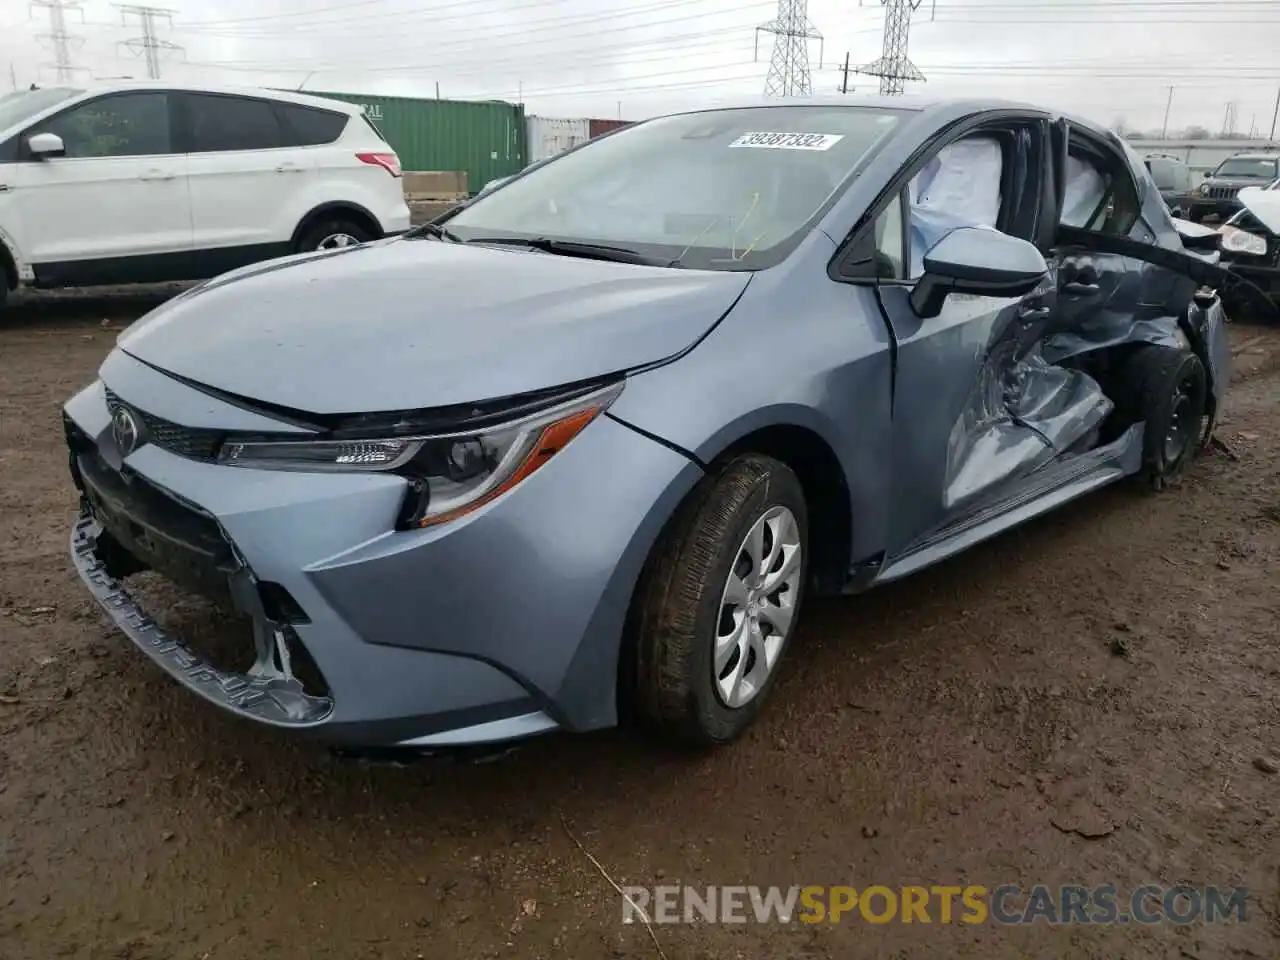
point(1107, 59)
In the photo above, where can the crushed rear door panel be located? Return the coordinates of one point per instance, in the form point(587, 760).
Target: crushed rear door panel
point(1184, 262)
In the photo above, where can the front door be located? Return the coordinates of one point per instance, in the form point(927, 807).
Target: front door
point(959, 442)
point(116, 204)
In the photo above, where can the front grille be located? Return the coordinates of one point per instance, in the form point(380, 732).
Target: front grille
point(1222, 193)
point(195, 443)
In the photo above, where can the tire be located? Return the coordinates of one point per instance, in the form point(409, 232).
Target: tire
point(679, 611)
point(1166, 388)
point(320, 233)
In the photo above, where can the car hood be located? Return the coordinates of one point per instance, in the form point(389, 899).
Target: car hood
point(1263, 204)
point(1236, 182)
point(411, 324)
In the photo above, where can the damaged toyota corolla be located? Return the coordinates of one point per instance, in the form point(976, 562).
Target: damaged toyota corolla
point(577, 451)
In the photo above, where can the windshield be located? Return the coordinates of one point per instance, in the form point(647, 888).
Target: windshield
point(722, 189)
point(1241, 167)
point(17, 107)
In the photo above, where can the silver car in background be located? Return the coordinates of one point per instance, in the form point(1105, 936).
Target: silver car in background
point(579, 450)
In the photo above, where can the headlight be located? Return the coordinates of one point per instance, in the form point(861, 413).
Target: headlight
point(1235, 240)
point(449, 474)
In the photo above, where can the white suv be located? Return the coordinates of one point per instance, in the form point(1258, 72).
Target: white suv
point(140, 182)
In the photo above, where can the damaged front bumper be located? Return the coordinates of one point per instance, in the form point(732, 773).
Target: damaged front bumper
point(268, 691)
point(296, 664)
point(499, 625)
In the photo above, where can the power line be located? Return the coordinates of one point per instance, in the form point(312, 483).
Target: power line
point(789, 67)
point(289, 14)
point(468, 15)
point(893, 67)
point(149, 44)
point(525, 36)
point(58, 37)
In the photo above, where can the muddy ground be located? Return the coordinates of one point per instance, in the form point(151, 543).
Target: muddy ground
point(1090, 699)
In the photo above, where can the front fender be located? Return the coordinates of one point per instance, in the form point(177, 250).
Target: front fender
point(815, 357)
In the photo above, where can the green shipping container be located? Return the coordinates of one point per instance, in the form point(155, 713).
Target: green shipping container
point(486, 139)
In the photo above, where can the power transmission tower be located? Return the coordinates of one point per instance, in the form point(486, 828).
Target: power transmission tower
point(58, 37)
point(789, 69)
point(893, 68)
point(149, 45)
point(1229, 120)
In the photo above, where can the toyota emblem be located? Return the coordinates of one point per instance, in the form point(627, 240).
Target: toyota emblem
point(125, 430)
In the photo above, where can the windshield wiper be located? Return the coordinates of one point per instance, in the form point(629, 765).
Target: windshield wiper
point(434, 230)
point(580, 248)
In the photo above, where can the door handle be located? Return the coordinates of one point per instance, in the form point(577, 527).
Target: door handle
point(288, 168)
point(1077, 289)
point(156, 175)
point(4, 188)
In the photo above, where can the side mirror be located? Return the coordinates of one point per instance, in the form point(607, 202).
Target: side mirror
point(980, 262)
point(46, 145)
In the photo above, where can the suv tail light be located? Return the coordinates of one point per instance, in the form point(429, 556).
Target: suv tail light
point(387, 161)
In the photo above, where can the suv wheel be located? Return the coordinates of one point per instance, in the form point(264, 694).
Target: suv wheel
point(719, 602)
point(332, 234)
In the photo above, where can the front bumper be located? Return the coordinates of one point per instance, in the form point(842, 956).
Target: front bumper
point(502, 624)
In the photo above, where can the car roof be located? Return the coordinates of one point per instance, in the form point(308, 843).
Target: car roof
point(909, 103)
point(123, 85)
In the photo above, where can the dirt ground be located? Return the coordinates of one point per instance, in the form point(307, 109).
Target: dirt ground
point(1090, 699)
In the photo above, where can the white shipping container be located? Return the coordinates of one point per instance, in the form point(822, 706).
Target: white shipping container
point(549, 136)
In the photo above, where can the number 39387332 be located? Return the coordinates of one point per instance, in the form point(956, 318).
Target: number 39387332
point(788, 141)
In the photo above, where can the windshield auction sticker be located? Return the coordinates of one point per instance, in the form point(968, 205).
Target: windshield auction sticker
point(788, 141)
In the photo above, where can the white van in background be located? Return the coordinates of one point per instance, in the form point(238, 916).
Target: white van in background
point(147, 181)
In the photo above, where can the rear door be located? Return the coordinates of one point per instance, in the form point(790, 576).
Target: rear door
point(246, 176)
point(1098, 195)
point(119, 194)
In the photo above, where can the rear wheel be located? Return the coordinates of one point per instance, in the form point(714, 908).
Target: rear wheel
point(719, 602)
point(1166, 388)
point(332, 234)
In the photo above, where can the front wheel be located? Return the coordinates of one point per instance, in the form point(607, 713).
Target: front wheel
point(719, 601)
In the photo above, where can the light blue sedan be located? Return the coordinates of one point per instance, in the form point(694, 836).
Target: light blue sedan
point(580, 449)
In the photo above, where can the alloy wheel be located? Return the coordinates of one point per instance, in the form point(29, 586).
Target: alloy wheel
point(757, 607)
point(336, 241)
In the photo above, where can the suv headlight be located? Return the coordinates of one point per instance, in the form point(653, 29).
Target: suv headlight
point(449, 474)
point(1235, 240)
